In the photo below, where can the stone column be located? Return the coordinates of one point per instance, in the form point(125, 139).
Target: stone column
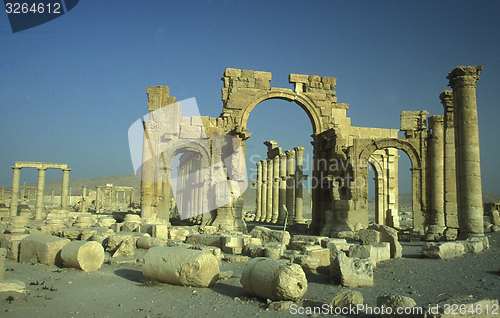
point(2, 193)
point(39, 194)
point(299, 163)
point(282, 182)
point(258, 188)
point(270, 182)
point(450, 179)
point(23, 190)
point(84, 199)
point(64, 189)
point(263, 207)
point(436, 152)
point(52, 197)
point(290, 156)
point(276, 189)
point(15, 191)
point(97, 199)
point(463, 80)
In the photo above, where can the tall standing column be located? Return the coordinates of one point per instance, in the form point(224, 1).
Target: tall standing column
point(290, 167)
point(52, 197)
point(270, 183)
point(450, 179)
point(299, 165)
point(263, 207)
point(282, 182)
point(97, 199)
point(463, 80)
point(64, 189)
point(39, 194)
point(258, 198)
point(84, 199)
point(436, 150)
point(276, 189)
point(15, 191)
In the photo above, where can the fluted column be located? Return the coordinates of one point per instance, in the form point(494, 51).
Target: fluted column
point(263, 207)
point(270, 183)
point(436, 150)
point(450, 179)
point(64, 189)
point(299, 164)
point(290, 167)
point(282, 191)
point(15, 191)
point(39, 194)
point(258, 188)
point(463, 80)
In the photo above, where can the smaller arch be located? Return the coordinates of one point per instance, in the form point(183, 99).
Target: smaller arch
point(285, 94)
point(397, 143)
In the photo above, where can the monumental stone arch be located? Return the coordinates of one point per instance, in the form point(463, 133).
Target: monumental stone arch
point(341, 155)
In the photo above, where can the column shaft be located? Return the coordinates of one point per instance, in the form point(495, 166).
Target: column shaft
point(39, 194)
point(436, 145)
point(15, 191)
point(290, 156)
point(258, 188)
point(264, 191)
point(299, 164)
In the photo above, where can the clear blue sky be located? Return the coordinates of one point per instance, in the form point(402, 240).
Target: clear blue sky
point(70, 89)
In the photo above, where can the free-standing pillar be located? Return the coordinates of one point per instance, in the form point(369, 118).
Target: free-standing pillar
point(290, 155)
point(39, 194)
point(450, 178)
point(258, 188)
point(52, 197)
point(64, 189)
point(270, 183)
point(463, 81)
point(282, 191)
point(97, 199)
point(436, 149)
point(299, 165)
point(15, 191)
point(263, 207)
point(276, 189)
point(84, 199)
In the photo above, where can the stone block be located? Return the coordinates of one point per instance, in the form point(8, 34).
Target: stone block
point(205, 239)
point(263, 75)
point(236, 259)
point(336, 245)
point(273, 279)
point(375, 251)
point(267, 235)
point(3, 256)
point(308, 263)
point(149, 242)
point(351, 272)
point(159, 231)
point(126, 248)
point(180, 266)
point(232, 72)
point(443, 250)
point(207, 229)
point(329, 80)
point(12, 285)
point(11, 243)
point(346, 298)
point(323, 254)
point(368, 236)
point(85, 255)
point(112, 242)
point(394, 302)
point(45, 249)
point(247, 73)
point(388, 234)
point(254, 250)
point(314, 79)
point(495, 217)
point(177, 233)
point(215, 251)
point(298, 78)
point(272, 252)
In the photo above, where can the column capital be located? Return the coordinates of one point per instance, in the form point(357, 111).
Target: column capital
point(258, 163)
point(276, 159)
point(263, 162)
point(299, 151)
point(436, 121)
point(464, 76)
point(290, 154)
point(98, 187)
point(14, 168)
point(42, 169)
point(282, 156)
point(446, 98)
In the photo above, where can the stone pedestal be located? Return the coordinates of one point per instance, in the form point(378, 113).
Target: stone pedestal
point(463, 80)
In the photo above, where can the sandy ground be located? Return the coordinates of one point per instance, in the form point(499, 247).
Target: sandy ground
point(120, 291)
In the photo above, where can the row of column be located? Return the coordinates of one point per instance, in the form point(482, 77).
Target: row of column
point(455, 171)
point(190, 191)
point(279, 187)
point(40, 191)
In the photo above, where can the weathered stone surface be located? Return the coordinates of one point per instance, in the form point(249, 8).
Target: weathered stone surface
point(180, 266)
point(347, 297)
point(205, 239)
point(308, 263)
point(126, 248)
point(177, 233)
point(322, 254)
point(215, 251)
point(351, 272)
point(280, 305)
point(495, 217)
point(273, 279)
point(11, 243)
point(146, 242)
point(267, 235)
point(12, 285)
point(375, 251)
point(397, 301)
point(254, 250)
point(389, 234)
point(85, 255)
point(45, 249)
point(443, 250)
point(237, 259)
point(3, 256)
point(368, 236)
point(335, 245)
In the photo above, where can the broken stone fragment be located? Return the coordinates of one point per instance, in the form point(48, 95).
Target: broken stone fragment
point(181, 266)
point(44, 249)
point(346, 298)
point(442, 250)
point(267, 235)
point(394, 302)
point(85, 255)
point(351, 272)
point(273, 279)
